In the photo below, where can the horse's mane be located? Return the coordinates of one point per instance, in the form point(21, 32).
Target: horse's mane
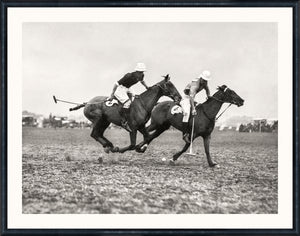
point(219, 89)
point(148, 90)
point(154, 85)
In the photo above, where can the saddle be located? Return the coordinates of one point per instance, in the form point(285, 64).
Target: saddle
point(177, 109)
point(115, 101)
point(112, 102)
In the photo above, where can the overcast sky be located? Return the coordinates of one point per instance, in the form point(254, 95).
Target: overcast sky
point(77, 61)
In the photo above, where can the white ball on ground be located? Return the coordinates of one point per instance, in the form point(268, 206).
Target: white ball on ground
point(163, 159)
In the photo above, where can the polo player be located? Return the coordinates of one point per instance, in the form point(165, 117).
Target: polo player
point(187, 101)
point(123, 92)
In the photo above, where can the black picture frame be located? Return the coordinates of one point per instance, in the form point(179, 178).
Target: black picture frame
point(213, 3)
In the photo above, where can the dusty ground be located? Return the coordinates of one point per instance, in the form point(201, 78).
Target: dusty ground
point(61, 174)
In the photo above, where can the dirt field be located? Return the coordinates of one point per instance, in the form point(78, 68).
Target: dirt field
point(62, 174)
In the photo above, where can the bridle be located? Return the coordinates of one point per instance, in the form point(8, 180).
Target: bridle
point(225, 97)
point(165, 91)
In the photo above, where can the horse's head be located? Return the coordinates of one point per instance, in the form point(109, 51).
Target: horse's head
point(226, 94)
point(168, 89)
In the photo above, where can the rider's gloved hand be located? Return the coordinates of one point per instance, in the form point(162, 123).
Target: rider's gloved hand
point(194, 112)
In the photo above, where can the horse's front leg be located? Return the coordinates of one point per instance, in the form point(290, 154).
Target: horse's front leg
point(142, 146)
point(206, 141)
point(132, 142)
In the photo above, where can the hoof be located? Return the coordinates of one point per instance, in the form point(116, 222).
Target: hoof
point(121, 151)
point(213, 164)
point(138, 148)
point(115, 149)
point(144, 148)
point(171, 162)
point(107, 149)
point(100, 160)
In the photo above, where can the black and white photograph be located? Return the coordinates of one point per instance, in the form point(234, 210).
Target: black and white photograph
point(91, 160)
point(151, 118)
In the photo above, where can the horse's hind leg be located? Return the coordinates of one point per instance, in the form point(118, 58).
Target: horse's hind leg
point(97, 134)
point(206, 141)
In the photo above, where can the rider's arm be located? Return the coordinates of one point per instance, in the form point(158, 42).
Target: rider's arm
point(114, 89)
point(207, 90)
point(144, 83)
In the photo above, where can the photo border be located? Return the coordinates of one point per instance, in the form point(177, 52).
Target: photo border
point(80, 3)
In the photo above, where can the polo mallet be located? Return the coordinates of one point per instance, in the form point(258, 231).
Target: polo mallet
point(58, 100)
point(192, 134)
point(79, 105)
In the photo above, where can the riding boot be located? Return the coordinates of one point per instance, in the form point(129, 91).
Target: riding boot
point(124, 116)
point(185, 132)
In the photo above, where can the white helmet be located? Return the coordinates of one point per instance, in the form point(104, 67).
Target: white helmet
point(205, 75)
point(140, 67)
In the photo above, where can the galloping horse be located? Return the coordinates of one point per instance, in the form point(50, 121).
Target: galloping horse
point(162, 119)
point(102, 115)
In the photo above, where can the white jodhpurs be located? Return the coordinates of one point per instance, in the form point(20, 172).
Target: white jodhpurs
point(121, 94)
point(186, 108)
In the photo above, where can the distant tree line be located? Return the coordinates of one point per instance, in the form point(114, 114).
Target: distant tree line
point(259, 126)
point(53, 122)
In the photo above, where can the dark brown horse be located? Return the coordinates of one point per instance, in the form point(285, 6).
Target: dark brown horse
point(102, 115)
point(162, 119)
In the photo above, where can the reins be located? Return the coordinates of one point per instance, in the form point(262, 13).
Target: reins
point(221, 112)
point(141, 100)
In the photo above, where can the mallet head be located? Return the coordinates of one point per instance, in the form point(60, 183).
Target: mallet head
point(54, 98)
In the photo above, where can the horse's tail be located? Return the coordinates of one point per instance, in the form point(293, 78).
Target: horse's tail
point(77, 107)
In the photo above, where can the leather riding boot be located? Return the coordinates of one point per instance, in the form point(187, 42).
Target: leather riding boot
point(185, 132)
point(124, 115)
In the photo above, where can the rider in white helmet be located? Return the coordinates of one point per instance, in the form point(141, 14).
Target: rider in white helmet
point(121, 90)
point(190, 91)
